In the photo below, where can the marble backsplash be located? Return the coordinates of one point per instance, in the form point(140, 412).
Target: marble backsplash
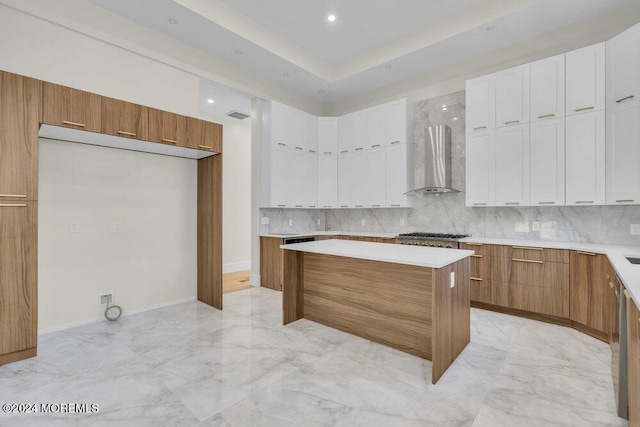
point(447, 213)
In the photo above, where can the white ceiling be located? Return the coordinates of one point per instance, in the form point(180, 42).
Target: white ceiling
point(372, 44)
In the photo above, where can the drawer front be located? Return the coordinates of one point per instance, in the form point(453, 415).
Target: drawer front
point(531, 253)
point(535, 299)
point(478, 248)
point(519, 271)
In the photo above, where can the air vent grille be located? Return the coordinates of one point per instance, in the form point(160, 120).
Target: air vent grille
point(237, 115)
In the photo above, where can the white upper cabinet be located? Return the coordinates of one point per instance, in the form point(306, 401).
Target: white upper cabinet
point(311, 133)
point(512, 96)
point(547, 162)
point(281, 174)
point(623, 67)
point(359, 185)
point(279, 126)
point(396, 176)
point(480, 168)
point(376, 178)
point(375, 127)
point(359, 139)
point(345, 175)
point(327, 135)
point(310, 181)
point(585, 79)
point(547, 88)
point(585, 159)
point(345, 133)
point(623, 154)
point(480, 108)
point(512, 166)
point(395, 122)
point(327, 181)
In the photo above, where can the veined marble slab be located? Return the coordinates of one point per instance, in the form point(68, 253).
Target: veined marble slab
point(385, 252)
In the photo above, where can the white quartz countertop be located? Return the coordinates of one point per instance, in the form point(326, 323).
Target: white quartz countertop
point(330, 233)
point(385, 252)
point(628, 273)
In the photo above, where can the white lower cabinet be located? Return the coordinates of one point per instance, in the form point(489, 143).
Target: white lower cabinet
point(547, 162)
point(512, 166)
point(396, 176)
point(585, 159)
point(327, 181)
point(623, 154)
point(480, 168)
point(376, 178)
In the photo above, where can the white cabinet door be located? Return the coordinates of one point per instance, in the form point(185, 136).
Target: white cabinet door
point(512, 166)
point(310, 180)
point(345, 133)
point(585, 79)
point(327, 181)
point(395, 122)
point(297, 179)
point(375, 127)
point(311, 133)
point(585, 159)
point(345, 175)
point(376, 177)
point(359, 179)
point(547, 162)
point(279, 125)
point(297, 123)
point(480, 108)
point(480, 168)
point(512, 96)
point(327, 135)
point(623, 154)
point(547, 88)
point(623, 67)
point(281, 178)
point(396, 175)
point(360, 133)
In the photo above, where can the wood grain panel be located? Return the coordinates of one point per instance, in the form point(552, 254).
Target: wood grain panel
point(478, 248)
point(452, 316)
point(539, 300)
point(384, 302)
point(499, 293)
point(72, 108)
point(167, 128)
point(522, 313)
point(610, 297)
point(18, 276)
point(20, 106)
point(547, 275)
point(530, 253)
point(203, 135)
point(293, 299)
point(589, 290)
point(121, 118)
point(480, 278)
point(210, 231)
point(271, 263)
point(633, 357)
point(325, 237)
point(17, 356)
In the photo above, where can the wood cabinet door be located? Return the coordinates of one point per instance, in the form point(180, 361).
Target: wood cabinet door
point(121, 118)
point(203, 135)
point(480, 272)
point(633, 357)
point(72, 108)
point(271, 263)
point(18, 276)
point(588, 290)
point(20, 103)
point(167, 128)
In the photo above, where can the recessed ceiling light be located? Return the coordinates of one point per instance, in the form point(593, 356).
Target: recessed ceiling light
point(388, 66)
point(285, 74)
point(321, 91)
point(238, 52)
point(490, 28)
point(331, 18)
point(444, 108)
point(455, 118)
point(173, 21)
point(210, 101)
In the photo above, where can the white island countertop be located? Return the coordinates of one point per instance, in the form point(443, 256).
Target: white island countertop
point(385, 252)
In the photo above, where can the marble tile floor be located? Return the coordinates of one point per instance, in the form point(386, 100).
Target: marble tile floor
point(189, 364)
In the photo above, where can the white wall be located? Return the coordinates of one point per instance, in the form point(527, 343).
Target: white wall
point(68, 288)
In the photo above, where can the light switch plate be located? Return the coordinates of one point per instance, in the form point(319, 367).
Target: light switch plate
point(535, 226)
point(634, 229)
point(264, 220)
point(402, 222)
point(290, 223)
point(74, 227)
point(116, 227)
point(363, 222)
point(453, 279)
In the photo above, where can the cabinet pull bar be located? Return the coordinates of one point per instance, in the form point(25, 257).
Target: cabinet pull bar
point(480, 128)
point(358, 206)
point(586, 253)
point(121, 132)
point(584, 201)
point(626, 294)
point(344, 151)
point(476, 256)
point(546, 116)
point(512, 203)
point(512, 122)
point(375, 146)
point(312, 206)
point(17, 196)
point(474, 244)
point(531, 261)
point(477, 279)
point(298, 206)
point(328, 206)
point(74, 124)
point(327, 152)
point(480, 204)
point(546, 203)
point(344, 206)
point(625, 201)
point(375, 206)
point(298, 148)
point(626, 98)
point(312, 151)
point(527, 248)
point(395, 142)
point(358, 148)
point(281, 144)
point(170, 141)
point(281, 206)
point(395, 206)
point(13, 205)
point(583, 109)
point(611, 285)
point(205, 147)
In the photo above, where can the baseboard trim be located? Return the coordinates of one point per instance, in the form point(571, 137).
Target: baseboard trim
point(18, 355)
point(254, 279)
point(234, 267)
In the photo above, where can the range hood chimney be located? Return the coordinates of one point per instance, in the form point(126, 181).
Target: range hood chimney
point(432, 162)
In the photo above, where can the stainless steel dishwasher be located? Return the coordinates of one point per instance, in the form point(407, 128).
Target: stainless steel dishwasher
point(619, 351)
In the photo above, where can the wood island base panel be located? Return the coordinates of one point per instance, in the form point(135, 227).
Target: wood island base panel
point(410, 308)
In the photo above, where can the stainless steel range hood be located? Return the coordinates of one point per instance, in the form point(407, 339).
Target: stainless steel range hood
point(432, 162)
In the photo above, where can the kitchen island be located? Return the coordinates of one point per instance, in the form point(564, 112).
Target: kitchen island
point(414, 299)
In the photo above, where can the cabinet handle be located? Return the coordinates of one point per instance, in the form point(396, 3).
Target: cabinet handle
point(121, 132)
point(358, 206)
point(586, 253)
point(344, 206)
point(546, 116)
point(474, 244)
point(395, 206)
point(375, 146)
point(476, 256)
point(375, 206)
point(546, 203)
point(17, 196)
point(312, 151)
point(531, 261)
point(73, 124)
point(584, 201)
point(477, 279)
point(299, 206)
point(327, 152)
point(480, 204)
point(625, 201)
point(626, 98)
point(358, 148)
point(527, 248)
point(281, 144)
point(480, 128)
point(13, 205)
point(583, 109)
point(281, 206)
point(611, 285)
point(395, 142)
point(205, 147)
point(170, 141)
point(312, 206)
point(344, 151)
point(512, 122)
point(512, 203)
point(298, 148)
point(328, 206)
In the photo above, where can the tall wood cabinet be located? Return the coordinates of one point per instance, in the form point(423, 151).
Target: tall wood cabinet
point(589, 290)
point(633, 357)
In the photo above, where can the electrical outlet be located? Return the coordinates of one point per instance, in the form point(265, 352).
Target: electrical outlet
point(634, 229)
point(74, 227)
point(290, 223)
point(264, 220)
point(106, 299)
point(535, 226)
point(116, 227)
point(363, 222)
point(452, 279)
point(402, 222)
point(319, 221)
